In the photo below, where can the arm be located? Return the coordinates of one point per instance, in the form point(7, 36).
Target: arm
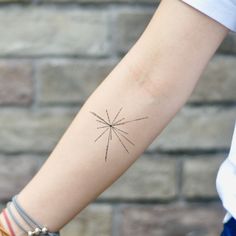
point(150, 84)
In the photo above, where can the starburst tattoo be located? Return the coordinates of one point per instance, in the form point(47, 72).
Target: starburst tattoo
point(113, 128)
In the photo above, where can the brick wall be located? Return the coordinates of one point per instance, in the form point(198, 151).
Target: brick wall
point(47, 50)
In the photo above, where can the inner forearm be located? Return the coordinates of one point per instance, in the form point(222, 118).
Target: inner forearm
point(134, 103)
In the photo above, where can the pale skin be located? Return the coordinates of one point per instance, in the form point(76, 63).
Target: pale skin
point(152, 81)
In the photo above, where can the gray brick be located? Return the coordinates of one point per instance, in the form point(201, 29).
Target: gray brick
point(129, 25)
point(2, 206)
point(229, 44)
point(218, 82)
point(16, 172)
point(203, 128)
point(16, 86)
point(63, 82)
point(52, 31)
point(95, 219)
point(28, 131)
point(199, 176)
point(148, 178)
point(14, 1)
point(172, 220)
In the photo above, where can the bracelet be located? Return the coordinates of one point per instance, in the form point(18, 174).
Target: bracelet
point(3, 231)
point(14, 219)
point(26, 217)
point(38, 229)
point(8, 222)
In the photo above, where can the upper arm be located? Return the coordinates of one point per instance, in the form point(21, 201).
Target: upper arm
point(174, 49)
point(222, 11)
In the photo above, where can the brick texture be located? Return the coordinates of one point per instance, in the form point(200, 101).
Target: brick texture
point(200, 128)
point(66, 82)
point(16, 171)
point(16, 87)
point(199, 176)
point(159, 220)
point(152, 177)
point(40, 130)
point(217, 83)
point(38, 31)
point(96, 219)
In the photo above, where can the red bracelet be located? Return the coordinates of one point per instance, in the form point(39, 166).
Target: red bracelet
point(8, 223)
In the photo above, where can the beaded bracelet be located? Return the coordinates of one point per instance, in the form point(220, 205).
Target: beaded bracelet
point(15, 220)
point(38, 229)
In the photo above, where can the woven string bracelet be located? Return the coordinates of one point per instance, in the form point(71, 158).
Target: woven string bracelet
point(39, 229)
point(28, 219)
point(3, 231)
point(8, 222)
point(14, 219)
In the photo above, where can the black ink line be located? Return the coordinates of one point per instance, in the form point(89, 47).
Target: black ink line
point(130, 121)
point(101, 122)
point(120, 140)
point(108, 140)
point(112, 127)
point(117, 115)
point(125, 137)
point(101, 135)
point(108, 117)
point(111, 132)
point(118, 121)
point(99, 117)
point(120, 130)
point(101, 127)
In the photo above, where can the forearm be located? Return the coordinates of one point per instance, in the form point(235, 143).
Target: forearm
point(151, 82)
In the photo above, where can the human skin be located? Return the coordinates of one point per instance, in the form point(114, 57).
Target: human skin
point(152, 81)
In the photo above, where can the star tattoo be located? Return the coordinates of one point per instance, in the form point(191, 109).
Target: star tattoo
point(113, 127)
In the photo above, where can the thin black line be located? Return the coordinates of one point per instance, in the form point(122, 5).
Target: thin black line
point(108, 117)
point(120, 130)
point(99, 117)
point(109, 135)
point(117, 114)
point(126, 138)
point(111, 132)
point(101, 121)
point(118, 121)
point(132, 120)
point(120, 140)
point(101, 135)
point(108, 140)
point(102, 127)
